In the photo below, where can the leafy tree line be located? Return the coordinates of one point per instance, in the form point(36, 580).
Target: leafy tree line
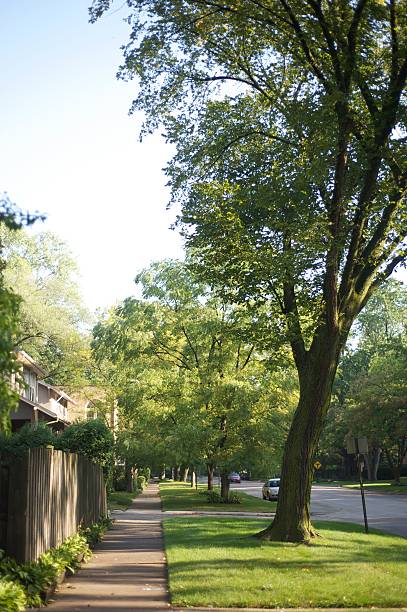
point(194, 389)
point(288, 118)
point(370, 393)
point(11, 219)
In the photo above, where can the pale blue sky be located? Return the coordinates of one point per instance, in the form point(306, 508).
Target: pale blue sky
point(69, 149)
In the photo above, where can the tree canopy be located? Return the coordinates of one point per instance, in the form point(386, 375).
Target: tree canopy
point(289, 120)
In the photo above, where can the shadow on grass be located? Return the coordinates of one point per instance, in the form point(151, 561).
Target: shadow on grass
point(349, 544)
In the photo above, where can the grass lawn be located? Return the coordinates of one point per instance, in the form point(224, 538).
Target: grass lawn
point(381, 486)
point(181, 496)
point(215, 562)
point(120, 500)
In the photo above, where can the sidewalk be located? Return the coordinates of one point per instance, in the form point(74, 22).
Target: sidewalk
point(128, 570)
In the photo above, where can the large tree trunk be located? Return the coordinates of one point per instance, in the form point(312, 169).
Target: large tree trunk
point(162, 476)
point(224, 485)
point(210, 467)
point(372, 459)
point(292, 522)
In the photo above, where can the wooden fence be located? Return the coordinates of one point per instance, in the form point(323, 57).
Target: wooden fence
point(45, 495)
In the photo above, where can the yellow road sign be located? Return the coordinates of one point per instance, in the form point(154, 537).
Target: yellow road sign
point(317, 465)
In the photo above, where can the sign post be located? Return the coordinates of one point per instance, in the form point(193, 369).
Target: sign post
point(358, 446)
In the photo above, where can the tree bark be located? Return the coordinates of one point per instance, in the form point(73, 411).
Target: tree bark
point(210, 468)
point(224, 485)
point(184, 473)
point(175, 472)
point(193, 478)
point(162, 477)
point(372, 459)
point(292, 522)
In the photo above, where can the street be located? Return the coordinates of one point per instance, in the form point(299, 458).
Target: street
point(385, 512)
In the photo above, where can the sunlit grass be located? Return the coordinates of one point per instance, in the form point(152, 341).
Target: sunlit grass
point(181, 496)
point(216, 562)
point(379, 486)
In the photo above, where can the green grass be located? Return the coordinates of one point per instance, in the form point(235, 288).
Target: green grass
point(215, 562)
point(120, 500)
point(381, 486)
point(181, 496)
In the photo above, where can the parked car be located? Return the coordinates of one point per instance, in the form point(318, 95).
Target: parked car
point(234, 477)
point(271, 488)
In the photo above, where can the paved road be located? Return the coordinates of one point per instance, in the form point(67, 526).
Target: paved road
point(386, 512)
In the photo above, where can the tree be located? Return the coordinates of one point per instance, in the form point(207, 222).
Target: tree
point(192, 378)
point(51, 323)
point(290, 173)
point(378, 336)
point(11, 219)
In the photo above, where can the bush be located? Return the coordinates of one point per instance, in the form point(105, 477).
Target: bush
point(12, 597)
point(141, 483)
point(33, 579)
point(29, 436)
point(146, 472)
point(214, 497)
point(93, 439)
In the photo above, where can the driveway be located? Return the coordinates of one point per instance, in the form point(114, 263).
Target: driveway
point(384, 511)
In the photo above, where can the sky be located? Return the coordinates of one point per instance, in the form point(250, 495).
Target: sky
point(70, 150)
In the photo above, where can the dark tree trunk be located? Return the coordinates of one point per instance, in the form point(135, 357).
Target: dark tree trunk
point(210, 468)
point(175, 472)
point(292, 522)
point(162, 477)
point(397, 474)
point(128, 477)
point(224, 485)
point(372, 459)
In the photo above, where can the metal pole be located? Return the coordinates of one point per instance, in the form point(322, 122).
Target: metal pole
point(362, 492)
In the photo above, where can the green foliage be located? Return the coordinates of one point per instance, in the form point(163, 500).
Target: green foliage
point(93, 439)
point(34, 578)
point(141, 483)
point(288, 120)
point(12, 597)
point(95, 532)
point(146, 472)
point(214, 497)
point(41, 271)
point(193, 387)
point(369, 393)
point(29, 436)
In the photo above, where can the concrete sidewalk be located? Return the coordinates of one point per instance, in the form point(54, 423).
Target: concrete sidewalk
point(128, 571)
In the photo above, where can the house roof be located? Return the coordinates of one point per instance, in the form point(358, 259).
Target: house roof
point(43, 409)
point(26, 360)
point(59, 391)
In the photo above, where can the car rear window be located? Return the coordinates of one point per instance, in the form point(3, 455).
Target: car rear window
point(274, 483)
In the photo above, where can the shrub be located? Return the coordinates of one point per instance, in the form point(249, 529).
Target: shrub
point(214, 497)
point(33, 579)
point(12, 597)
point(29, 436)
point(141, 482)
point(146, 472)
point(90, 438)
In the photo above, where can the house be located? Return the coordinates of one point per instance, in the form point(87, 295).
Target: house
point(38, 401)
